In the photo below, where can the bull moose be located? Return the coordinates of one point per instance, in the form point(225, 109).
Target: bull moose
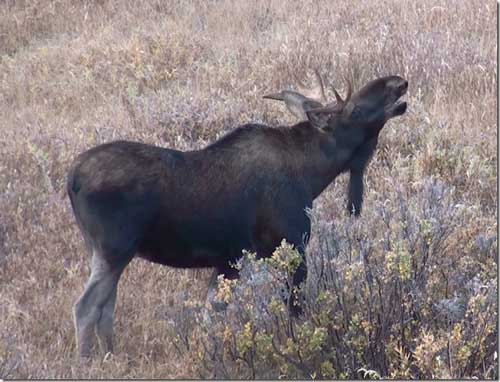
point(247, 191)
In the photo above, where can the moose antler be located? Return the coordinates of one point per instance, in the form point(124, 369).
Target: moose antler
point(339, 106)
point(348, 96)
point(304, 99)
point(316, 92)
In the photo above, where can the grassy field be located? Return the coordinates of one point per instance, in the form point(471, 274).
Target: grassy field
point(407, 290)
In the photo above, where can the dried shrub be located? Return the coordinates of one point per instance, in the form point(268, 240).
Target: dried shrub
point(408, 290)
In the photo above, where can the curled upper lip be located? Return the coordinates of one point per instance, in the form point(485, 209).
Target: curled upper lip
point(404, 90)
point(397, 103)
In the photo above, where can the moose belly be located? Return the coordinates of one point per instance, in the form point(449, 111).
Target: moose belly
point(193, 245)
point(186, 258)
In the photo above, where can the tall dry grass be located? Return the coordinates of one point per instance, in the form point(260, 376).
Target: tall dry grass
point(180, 74)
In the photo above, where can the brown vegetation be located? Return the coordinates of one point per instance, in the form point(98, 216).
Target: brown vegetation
point(407, 290)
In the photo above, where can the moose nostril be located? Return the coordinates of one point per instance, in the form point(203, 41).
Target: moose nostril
point(405, 84)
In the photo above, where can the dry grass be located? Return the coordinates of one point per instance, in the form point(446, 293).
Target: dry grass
point(180, 74)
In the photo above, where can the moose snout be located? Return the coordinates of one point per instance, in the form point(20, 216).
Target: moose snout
point(401, 88)
point(404, 86)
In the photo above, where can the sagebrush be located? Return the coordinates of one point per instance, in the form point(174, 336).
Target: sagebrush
point(408, 290)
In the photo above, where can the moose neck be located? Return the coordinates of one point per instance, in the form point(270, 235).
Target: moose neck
point(327, 154)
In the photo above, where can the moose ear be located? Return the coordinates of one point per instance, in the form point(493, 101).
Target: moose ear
point(318, 118)
point(295, 102)
point(304, 99)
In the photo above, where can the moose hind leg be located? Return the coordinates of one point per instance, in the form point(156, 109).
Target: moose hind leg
point(95, 303)
point(105, 332)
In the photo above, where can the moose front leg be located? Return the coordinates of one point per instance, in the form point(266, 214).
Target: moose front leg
point(298, 237)
point(292, 293)
point(296, 293)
